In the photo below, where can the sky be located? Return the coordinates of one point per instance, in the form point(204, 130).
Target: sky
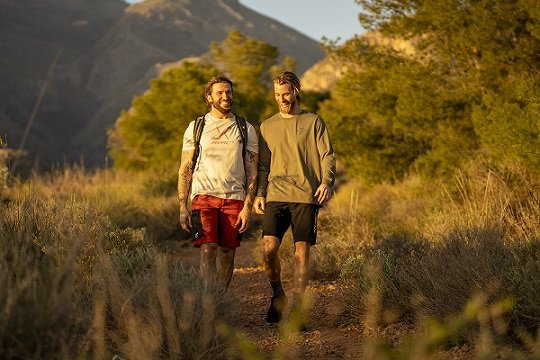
point(314, 18)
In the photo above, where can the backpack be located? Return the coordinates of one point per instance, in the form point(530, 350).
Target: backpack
point(197, 133)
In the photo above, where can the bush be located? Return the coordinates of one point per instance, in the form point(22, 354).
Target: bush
point(479, 237)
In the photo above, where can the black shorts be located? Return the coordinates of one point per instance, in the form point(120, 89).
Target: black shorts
point(301, 217)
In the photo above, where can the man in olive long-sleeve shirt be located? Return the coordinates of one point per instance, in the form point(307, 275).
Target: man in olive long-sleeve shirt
point(296, 174)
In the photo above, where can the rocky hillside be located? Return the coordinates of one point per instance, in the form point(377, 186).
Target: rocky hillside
point(323, 75)
point(99, 53)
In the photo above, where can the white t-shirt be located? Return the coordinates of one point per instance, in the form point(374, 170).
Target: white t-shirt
point(220, 169)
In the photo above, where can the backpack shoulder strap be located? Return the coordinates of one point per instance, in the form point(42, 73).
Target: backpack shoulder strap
point(197, 133)
point(241, 123)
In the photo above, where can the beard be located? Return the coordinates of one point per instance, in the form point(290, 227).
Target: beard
point(225, 108)
point(287, 106)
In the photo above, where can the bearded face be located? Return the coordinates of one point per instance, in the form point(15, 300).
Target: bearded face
point(221, 98)
point(285, 97)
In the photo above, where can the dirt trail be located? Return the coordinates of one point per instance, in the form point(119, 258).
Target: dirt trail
point(331, 333)
point(326, 337)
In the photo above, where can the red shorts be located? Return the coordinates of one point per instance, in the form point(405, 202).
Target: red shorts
point(213, 220)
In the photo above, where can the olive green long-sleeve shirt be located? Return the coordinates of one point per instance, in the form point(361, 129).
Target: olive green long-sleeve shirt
point(295, 157)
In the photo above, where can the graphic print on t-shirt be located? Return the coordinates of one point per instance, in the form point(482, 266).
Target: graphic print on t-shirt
point(223, 136)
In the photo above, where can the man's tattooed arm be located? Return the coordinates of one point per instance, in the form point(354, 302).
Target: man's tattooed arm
point(185, 174)
point(250, 164)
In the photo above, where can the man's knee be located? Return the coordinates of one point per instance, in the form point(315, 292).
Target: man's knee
point(226, 255)
point(271, 247)
point(208, 251)
point(226, 251)
point(301, 252)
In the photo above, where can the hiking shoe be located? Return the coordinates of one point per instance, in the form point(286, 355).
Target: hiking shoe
point(275, 310)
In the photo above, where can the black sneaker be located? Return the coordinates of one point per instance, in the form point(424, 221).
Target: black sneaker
point(275, 310)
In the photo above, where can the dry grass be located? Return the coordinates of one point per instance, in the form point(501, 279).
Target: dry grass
point(426, 250)
point(80, 278)
point(77, 283)
point(128, 200)
point(3, 169)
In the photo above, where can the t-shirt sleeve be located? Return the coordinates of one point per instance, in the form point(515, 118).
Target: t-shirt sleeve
point(253, 140)
point(187, 143)
point(326, 153)
point(264, 165)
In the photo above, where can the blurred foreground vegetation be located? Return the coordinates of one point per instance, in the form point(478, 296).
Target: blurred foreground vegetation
point(84, 275)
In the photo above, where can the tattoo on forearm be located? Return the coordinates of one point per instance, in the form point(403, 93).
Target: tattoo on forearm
point(250, 163)
point(251, 190)
point(184, 181)
point(251, 157)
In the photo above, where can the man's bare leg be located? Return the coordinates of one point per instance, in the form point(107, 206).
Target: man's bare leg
point(272, 266)
point(301, 276)
point(301, 270)
point(208, 264)
point(225, 267)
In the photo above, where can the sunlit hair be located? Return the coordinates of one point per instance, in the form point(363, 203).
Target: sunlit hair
point(288, 77)
point(211, 82)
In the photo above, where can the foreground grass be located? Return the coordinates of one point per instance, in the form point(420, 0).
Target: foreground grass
point(458, 259)
point(81, 276)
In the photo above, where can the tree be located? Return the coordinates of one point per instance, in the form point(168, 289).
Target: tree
point(251, 64)
point(311, 100)
point(391, 113)
point(508, 122)
point(470, 85)
point(487, 49)
point(148, 136)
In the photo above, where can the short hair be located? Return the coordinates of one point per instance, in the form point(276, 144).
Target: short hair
point(211, 82)
point(287, 77)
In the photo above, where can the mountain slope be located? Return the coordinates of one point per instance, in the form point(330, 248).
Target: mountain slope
point(107, 51)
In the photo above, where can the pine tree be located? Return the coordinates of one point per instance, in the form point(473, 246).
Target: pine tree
point(470, 86)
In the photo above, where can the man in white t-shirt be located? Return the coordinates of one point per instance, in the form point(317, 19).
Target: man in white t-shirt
point(223, 184)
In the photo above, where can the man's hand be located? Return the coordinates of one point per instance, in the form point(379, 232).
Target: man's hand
point(323, 193)
point(260, 205)
point(185, 220)
point(243, 220)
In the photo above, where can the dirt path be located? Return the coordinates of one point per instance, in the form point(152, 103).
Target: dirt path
point(326, 336)
point(331, 332)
